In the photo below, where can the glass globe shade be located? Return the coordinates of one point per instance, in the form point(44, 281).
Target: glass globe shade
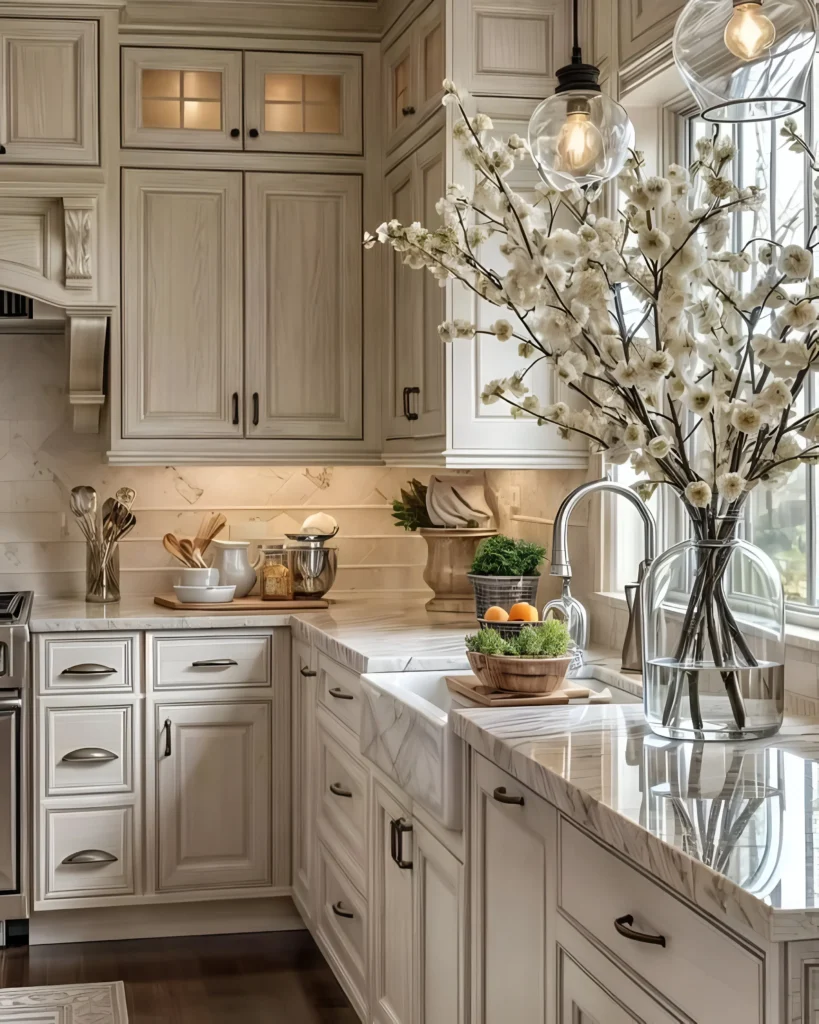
point(579, 137)
point(746, 60)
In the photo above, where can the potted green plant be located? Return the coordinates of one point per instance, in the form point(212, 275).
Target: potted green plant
point(535, 660)
point(505, 572)
point(450, 550)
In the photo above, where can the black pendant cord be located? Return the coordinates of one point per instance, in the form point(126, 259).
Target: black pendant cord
point(577, 56)
point(577, 75)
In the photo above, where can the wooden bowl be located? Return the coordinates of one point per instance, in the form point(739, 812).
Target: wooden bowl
point(520, 675)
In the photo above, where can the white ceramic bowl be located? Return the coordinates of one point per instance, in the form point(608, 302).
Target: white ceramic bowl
point(205, 595)
point(198, 577)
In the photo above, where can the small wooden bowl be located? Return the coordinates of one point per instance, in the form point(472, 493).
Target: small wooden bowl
point(520, 675)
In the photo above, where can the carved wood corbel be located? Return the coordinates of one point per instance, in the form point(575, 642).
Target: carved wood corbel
point(79, 224)
point(86, 334)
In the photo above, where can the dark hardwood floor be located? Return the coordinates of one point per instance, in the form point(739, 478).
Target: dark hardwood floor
point(271, 978)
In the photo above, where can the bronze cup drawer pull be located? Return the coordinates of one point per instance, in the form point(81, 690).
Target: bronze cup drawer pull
point(89, 755)
point(339, 911)
point(339, 694)
point(503, 797)
point(338, 790)
point(215, 663)
point(89, 669)
point(90, 857)
point(308, 673)
point(623, 926)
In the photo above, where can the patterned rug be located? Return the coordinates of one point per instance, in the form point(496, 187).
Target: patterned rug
point(64, 1004)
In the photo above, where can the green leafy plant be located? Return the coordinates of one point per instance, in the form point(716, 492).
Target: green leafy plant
point(502, 556)
point(411, 510)
point(486, 641)
point(550, 639)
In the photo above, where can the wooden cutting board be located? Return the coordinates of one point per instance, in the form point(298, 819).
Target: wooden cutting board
point(471, 687)
point(242, 604)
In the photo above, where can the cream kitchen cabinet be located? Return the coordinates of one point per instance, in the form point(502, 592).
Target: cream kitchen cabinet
point(417, 919)
point(182, 303)
point(643, 28)
point(303, 704)
point(181, 98)
point(413, 68)
point(191, 368)
point(49, 110)
point(414, 382)
point(304, 356)
point(513, 856)
point(213, 771)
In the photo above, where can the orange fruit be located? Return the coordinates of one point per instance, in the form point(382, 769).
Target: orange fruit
point(523, 612)
point(496, 614)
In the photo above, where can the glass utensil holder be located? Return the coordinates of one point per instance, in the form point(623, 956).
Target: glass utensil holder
point(102, 575)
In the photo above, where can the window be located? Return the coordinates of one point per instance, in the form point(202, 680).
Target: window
point(302, 103)
point(182, 99)
point(782, 523)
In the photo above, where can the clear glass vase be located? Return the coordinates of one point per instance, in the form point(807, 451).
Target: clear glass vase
point(101, 575)
point(713, 642)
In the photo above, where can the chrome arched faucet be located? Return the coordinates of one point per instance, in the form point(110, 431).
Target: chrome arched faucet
point(561, 566)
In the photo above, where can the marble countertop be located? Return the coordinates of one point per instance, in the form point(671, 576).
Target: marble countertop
point(366, 634)
point(733, 828)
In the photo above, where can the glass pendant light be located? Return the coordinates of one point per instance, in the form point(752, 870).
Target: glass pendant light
point(579, 136)
point(746, 60)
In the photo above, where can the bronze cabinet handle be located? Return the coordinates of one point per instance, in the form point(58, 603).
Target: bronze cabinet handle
point(338, 790)
point(623, 927)
point(235, 408)
point(339, 911)
point(339, 694)
point(406, 111)
point(89, 669)
point(167, 727)
point(410, 414)
point(308, 672)
point(503, 797)
point(215, 663)
point(398, 828)
point(90, 857)
point(89, 755)
point(255, 408)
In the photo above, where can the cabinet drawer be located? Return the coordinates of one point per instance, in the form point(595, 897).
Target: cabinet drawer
point(211, 660)
point(89, 852)
point(342, 927)
point(88, 750)
point(339, 691)
point(701, 969)
point(83, 665)
point(342, 787)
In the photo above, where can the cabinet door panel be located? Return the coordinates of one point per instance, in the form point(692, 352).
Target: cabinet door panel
point(512, 846)
point(303, 103)
point(429, 403)
point(430, 60)
point(438, 925)
point(304, 757)
point(49, 109)
point(391, 910)
point(181, 98)
point(182, 303)
point(213, 795)
point(304, 316)
point(399, 76)
point(404, 301)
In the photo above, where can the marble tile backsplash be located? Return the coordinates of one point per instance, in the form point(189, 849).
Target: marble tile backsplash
point(41, 459)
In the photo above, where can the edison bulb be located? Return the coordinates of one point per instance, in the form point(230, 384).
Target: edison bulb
point(748, 31)
point(579, 145)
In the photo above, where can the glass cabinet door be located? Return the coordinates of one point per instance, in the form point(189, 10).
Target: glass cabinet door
point(182, 99)
point(303, 103)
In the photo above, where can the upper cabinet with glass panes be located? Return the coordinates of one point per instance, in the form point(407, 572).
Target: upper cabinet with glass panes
point(414, 66)
point(192, 99)
point(303, 102)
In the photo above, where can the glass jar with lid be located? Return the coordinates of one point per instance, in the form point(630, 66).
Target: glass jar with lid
point(277, 573)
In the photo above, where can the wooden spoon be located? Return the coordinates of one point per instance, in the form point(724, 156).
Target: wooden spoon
point(173, 546)
point(208, 528)
point(194, 555)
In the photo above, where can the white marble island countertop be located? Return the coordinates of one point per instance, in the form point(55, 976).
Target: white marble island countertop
point(733, 828)
point(367, 634)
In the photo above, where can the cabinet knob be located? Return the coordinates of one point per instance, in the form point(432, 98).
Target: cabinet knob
point(254, 133)
point(407, 111)
point(235, 133)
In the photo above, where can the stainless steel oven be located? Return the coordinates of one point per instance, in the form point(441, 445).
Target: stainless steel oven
point(15, 704)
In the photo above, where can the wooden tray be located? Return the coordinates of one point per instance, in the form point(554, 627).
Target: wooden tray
point(241, 604)
point(469, 686)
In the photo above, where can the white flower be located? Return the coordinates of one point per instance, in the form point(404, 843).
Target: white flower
point(659, 364)
point(745, 418)
point(698, 399)
point(659, 447)
point(799, 314)
point(724, 148)
point(698, 494)
point(653, 243)
point(492, 392)
point(777, 395)
point(658, 190)
point(788, 448)
point(731, 485)
point(502, 330)
point(446, 330)
point(570, 366)
point(559, 413)
point(634, 436)
point(795, 262)
point(515, 385)
point(482, 123)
